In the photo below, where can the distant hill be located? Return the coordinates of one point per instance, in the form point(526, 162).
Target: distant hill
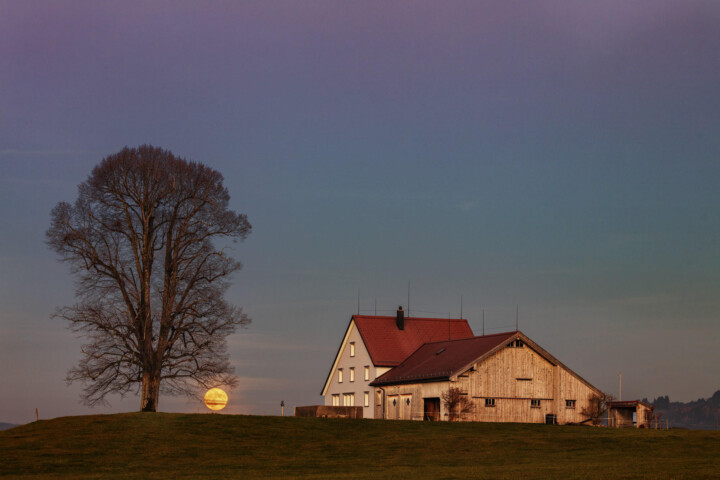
point(701, 414)
point(5, 426)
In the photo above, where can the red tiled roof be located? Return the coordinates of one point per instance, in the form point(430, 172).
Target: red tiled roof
point(388, 346)
point(440, 360)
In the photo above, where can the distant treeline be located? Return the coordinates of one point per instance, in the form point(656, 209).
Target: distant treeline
point(698, 414)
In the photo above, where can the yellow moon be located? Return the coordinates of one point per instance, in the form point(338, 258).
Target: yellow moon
point(215, 399)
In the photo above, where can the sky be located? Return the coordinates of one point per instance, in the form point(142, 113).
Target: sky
point(558, 159)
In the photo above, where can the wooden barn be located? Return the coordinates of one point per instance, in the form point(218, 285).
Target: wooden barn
point(504, 377)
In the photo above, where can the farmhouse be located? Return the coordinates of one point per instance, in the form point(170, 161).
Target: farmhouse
point(505, 377)
point(372, 345)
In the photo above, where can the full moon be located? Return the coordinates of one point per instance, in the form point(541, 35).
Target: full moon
point(215, 399)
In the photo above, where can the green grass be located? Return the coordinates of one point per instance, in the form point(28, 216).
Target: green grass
point(172, 446)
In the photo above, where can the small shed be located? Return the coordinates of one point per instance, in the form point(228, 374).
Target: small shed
point(630, 414)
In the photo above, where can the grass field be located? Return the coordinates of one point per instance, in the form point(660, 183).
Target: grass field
point(159, 446)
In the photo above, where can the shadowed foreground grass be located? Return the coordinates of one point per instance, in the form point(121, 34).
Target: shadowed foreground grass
point(147, 445)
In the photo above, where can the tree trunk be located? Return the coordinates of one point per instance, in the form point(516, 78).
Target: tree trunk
point(150, 392)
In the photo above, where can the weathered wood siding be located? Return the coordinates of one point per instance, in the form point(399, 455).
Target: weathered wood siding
point(416, 393)
point(644, 416)
point(517, 410)
point(571, 388)
point(498, 375)
point(513, 377)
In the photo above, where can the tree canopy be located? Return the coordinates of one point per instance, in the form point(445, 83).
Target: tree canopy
point(150, 281)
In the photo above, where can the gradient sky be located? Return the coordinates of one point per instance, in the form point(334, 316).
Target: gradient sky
point(562, 156)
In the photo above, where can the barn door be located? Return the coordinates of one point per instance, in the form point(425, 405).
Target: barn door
point(406, 407)
point(431, 409)
point(393, 407)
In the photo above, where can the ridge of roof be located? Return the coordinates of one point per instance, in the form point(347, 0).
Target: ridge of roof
point(426, 364)
point(388, 346)
point(433, 319)
point(475, 337)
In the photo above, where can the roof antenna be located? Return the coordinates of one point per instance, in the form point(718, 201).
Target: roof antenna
point(358, 302)
point(449, 335)
point(517, 313)
point(408, 299)
point(483, 322)
point(461, 307)
point(376, 306)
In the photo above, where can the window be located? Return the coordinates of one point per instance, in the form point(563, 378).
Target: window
point(336, 400)
point(516, 344)
point(352, 374)
point(535, 403)
point(352, 349)
point(489, 402)
point(340, 375)
point(569, 403)
point(379, 398)
point(349, 399)
point(367, 399)
point(367, 372)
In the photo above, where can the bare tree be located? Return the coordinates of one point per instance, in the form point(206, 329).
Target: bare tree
point(456, 404)
point(597, 406)
point(150, 281)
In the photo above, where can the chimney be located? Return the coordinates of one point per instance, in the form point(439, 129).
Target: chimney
point(400, 319)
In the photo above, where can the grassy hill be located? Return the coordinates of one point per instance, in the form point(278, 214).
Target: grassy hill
point(145, 445)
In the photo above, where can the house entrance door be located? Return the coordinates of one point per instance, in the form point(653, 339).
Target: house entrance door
point(431, 409)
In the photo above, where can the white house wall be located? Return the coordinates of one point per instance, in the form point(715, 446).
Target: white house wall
point(359, 386)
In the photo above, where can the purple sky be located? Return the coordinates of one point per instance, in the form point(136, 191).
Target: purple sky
point(562, 156)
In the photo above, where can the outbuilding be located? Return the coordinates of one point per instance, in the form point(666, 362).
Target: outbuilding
point(630, 413)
